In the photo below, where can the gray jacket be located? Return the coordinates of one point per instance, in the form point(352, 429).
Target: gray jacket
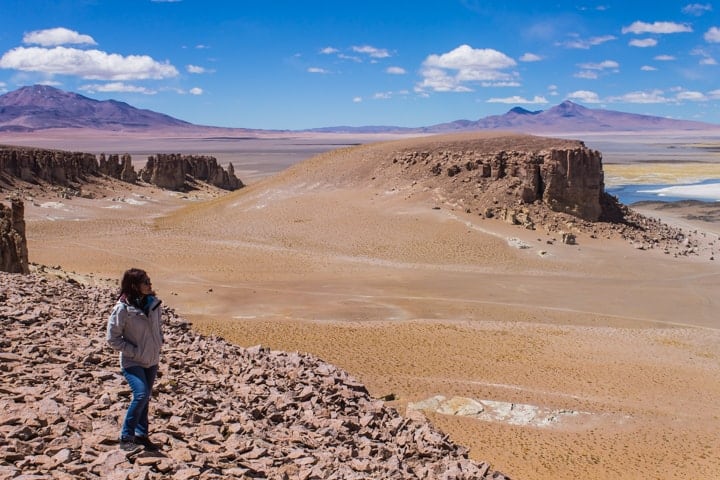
point(138, 337)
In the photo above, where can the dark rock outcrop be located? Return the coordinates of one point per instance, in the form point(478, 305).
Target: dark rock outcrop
point(56, 167)
point(568, 180)
point(13, 243)
point(165, 171)
point(119, 167)
point(219, 411)
point(171, 171)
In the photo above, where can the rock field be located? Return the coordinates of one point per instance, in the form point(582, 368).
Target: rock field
point(219, 411)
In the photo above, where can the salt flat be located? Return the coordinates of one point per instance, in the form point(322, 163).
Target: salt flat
point(419, 302)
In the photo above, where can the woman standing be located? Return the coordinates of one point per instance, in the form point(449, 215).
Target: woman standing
point(135, 330)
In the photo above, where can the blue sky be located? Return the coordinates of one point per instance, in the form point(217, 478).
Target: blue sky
point(303, 64)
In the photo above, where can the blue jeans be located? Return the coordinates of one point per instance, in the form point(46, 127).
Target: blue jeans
point(141, 382)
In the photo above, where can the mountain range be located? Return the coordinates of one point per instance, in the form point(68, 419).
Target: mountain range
point(41, 107)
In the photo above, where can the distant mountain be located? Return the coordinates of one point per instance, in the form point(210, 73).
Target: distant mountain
point(41, 107)
point(571, 117)
point(566, 117)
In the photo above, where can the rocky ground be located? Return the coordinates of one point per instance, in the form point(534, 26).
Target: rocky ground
point(219, 411)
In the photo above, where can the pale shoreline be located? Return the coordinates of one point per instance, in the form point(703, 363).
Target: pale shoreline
point(709, 192)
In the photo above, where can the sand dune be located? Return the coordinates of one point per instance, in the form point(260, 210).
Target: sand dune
point(420, 301)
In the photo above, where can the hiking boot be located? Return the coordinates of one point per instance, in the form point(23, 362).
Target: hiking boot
point(129, 445)
point(147, 443)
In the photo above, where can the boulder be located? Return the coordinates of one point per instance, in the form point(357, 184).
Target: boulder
point(13, 243)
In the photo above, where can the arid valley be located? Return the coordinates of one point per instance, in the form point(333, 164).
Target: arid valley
point(603, 356)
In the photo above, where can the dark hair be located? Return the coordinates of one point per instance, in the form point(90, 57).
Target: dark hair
point(130, 284)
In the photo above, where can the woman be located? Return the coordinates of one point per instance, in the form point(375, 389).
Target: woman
point(135, 330)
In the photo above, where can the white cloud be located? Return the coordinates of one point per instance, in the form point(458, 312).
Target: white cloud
point(196, 91)
point(530, 57)
point(57, 36)
point(88, 64)
point(653, 96)
point(116, 87)
point(707, 58)
point(664, 58)
point(372, 51)
point(439, 81)
point(329, 50)
point(196, 69)
point(317, 70)
point(343, 56)
point(712, 35)
point(585, 44)
point(382, 95)
point(657, 27)
point(604, 65)
point(587, 74)
point(585, 96)
point(697, 9)
point(691, 96)
point(201, 46)
point(395, 71)
point(648, 68)
point(357, 99)
point(714, 94)
point(553, 90)
point(642, 42)
point(500, 84)
point(451, 71)
point(592, 71)
point(519, 100)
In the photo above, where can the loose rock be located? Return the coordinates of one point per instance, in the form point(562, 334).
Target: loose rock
point(219, 410)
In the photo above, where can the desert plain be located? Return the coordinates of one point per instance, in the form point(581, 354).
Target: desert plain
point(609, 354)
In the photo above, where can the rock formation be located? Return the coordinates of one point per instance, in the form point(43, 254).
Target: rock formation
point(57, 167)
point(13, 244)
point(170, 171)
point(165, 171)
point(219, 411)
point(566, 180)
point(118, 167)
point(535, 182)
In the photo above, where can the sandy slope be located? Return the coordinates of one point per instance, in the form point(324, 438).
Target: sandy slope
point(418, 301)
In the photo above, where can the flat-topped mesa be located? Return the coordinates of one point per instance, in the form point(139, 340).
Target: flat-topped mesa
point(566, 178)
point(13, 243)
point(171, 171)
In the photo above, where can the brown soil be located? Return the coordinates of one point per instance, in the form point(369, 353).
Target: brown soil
point(418, 301)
